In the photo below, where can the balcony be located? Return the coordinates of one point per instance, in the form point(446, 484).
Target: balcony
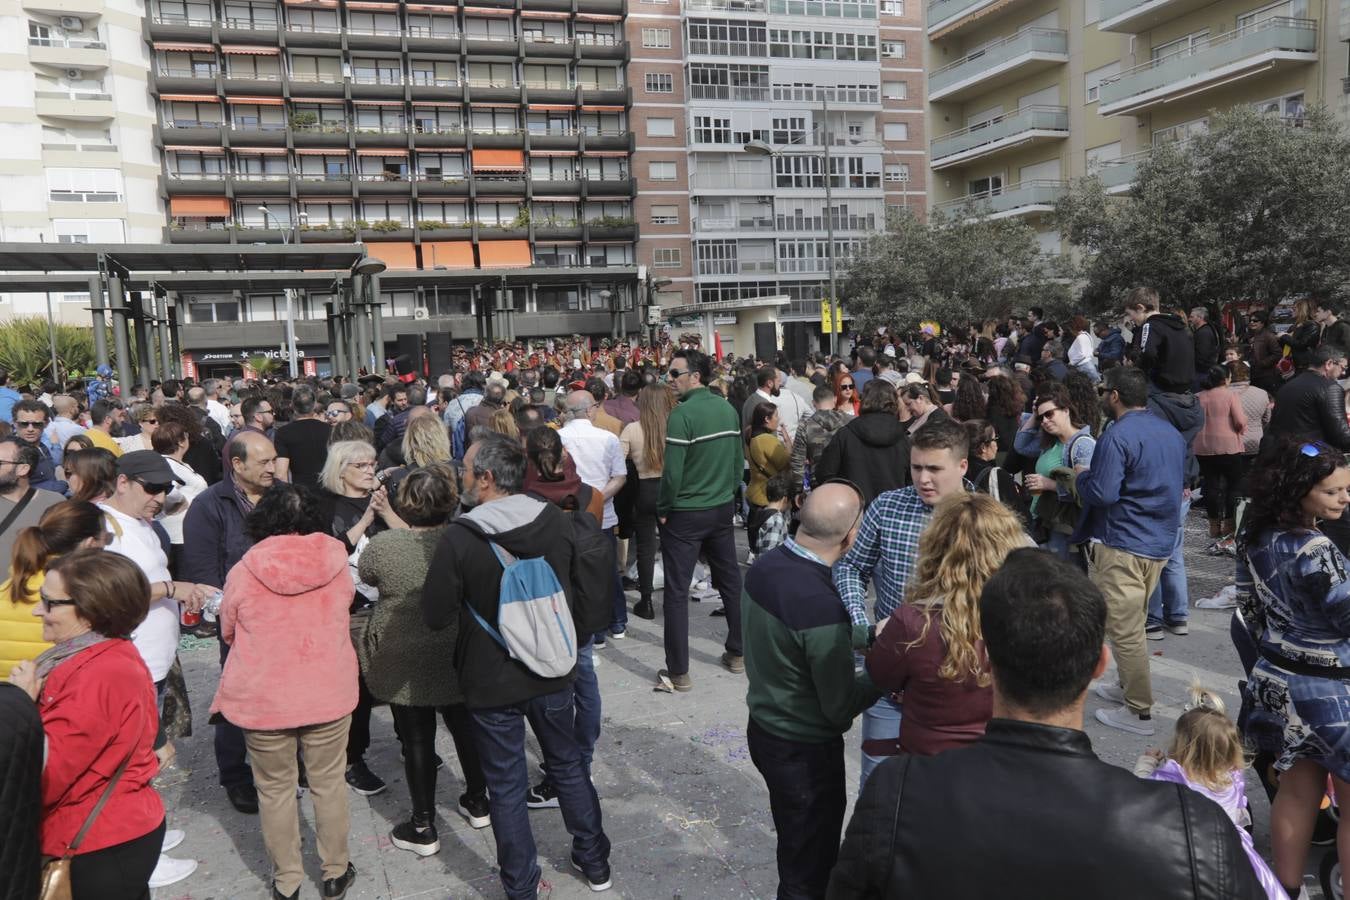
point(68, 53)
point(313, 37)
point(175, 27)
point(200, 233)
point(252, 82)
point(327, 184)
point(437, 39)
point(245, 30)
point(169, 80)
point(317, 84)
point(430, 136)
point(601, 46)
point(1276, 44)
point(384, 183)
point(1020, 128)
point(190, 131)
point(378, 84)
point(391, 135)
point(257, 184)
point(82, 106)
point(258, 134)
point(752, 223)
point(446, 185)
point(1138, 16)
point(553, 46)
point(194, 183)
point(606, 186)
point(947, 17)
point(375, 37)
point(731, 182)
point(1117, 175)
point(816, 225)
point(319, 134)
point(1024, 53)
point(1023, 198)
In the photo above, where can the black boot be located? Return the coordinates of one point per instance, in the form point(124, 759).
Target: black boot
point(643, 609)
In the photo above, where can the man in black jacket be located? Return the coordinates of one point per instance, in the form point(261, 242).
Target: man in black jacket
point(501, 692)
point(1161, 346)
point(1334, 331)
point(1067, 826)
point(1207, 340)
point(871, 450)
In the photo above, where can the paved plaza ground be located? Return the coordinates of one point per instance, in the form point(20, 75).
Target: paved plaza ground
point(683, 805)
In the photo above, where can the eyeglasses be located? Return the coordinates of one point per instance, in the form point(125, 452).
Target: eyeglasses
point(990, 440)
point(333, 413)
point(676, 373)
point(152, 488)
point(29, 424)
point(845, 387)
point(55, 602)
point(1044, 413)
point(1103, 389)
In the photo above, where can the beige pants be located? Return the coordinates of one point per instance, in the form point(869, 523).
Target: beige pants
point(1126, 582)
point(276, 775)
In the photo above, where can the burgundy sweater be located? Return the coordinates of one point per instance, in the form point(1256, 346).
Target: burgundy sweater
point(938, 713)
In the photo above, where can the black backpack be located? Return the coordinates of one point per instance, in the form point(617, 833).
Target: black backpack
point(593, 580)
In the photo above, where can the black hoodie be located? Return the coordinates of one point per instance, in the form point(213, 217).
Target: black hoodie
point(872, 451)
point(465, 572)
point(1164, 349)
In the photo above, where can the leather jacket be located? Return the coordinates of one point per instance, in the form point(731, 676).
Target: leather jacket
point(1311, 407)
point(1028, 812)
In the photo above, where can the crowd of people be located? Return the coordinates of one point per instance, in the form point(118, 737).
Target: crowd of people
point(956, 537)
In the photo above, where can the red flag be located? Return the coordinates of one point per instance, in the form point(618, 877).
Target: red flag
point(717, 345)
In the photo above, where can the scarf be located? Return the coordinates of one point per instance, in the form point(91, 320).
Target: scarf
point(53, 657)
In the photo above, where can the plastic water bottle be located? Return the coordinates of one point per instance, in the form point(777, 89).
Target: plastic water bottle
point(211, 608)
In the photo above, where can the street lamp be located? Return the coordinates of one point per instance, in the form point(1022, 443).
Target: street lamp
point(764, 148)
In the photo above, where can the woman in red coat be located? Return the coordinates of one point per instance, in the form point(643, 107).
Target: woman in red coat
point(98, 709)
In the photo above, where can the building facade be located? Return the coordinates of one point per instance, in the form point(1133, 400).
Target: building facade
point(1025, 95)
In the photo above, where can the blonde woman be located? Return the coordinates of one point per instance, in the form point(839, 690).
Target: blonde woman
point(644, 443)
point(1303, 335)
point(927, 649)
point(147, 419)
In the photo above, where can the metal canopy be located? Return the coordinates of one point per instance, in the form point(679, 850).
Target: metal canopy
point(143, 258)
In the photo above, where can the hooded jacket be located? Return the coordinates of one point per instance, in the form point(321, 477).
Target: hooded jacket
point(1184, 413)
point(1165, 351)
point(872, 451)
point(813, 436)
point(284, 616)
point(1112, 347)
point(465, 573)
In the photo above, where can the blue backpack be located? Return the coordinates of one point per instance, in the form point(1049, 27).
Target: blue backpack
point(534, 625)
point(458, 442)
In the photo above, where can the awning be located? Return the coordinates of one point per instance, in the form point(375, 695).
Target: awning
point(426, 7)
point(259, 101)
point(395, 254)
point(385, 151)
point(190, 98)
point(451, 254)
point(477, 105)
point(556, 107)
point(331, 151)
point(250, 51)
point(504, 253)
point(598, 17)
point(373, 7)
point(486, 11)
point(553, 153)
point(541, 14)
point(180, 148)
point(329, 101)
point(270, 151)
point(321, 4)
point(178, 45)
point(418, 104)
point(378, 102)
point(539, 200)
point(607, 153)
point(199, 206)
point(589, 108)
point(499, 160)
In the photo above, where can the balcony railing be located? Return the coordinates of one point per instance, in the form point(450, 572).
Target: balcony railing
point(314, 28)
point(430, 79)
point(431, 128)
point(85, 196)
point(735, 224)
point(169, 72)
point(728, 92)
point(377, 30)
point(588, 39)
point(942, 13)
point(1029, 43)
point(191, 123)
point(816, 94)
point(261, 176)
point(1025, 195)
point(316, 77)
point(377, 78)
point(699, 47)
point(81, 147)
point(600, 85)
point(818, 223)
point(1001, 128)
point(178, 19)
point(433, 31)
point(320, 127)
point(385, 128)
point(195, 176)
point(621, 175)
point(72, 95)
point(251, 24)
point(253, 76)
point(754, 6)
point(1118, 174)
point(503, 38)
point(382, 176)
point(479, 81)
point(325, 176)
point(70, 43)
point(258, 126)
point(1214, 59)
point(549, 84)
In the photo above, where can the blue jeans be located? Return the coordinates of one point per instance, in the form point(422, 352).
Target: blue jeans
point(1170, 602)
point(880, 736)
point(586, 697)
point(619, 623)
point(500, 735)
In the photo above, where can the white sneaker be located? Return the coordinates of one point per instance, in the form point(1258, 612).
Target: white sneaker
point(1111, 693)
point(171, 871)
point(1122, 718)
point(172, 838)
point(1224, 599)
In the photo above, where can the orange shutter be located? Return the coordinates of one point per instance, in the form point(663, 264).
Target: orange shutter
point(499, 160)
point(504, 253)
point(451, 254)
point(199, 206)
point(395, 254)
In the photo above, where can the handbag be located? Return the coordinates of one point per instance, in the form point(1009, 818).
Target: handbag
point(55, 884)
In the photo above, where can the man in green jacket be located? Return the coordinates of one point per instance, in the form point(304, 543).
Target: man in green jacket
point(703, 465)
point(804, 692)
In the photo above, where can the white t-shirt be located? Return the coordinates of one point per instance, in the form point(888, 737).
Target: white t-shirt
point(598, 458)
point(157, 637)
point(180, 497)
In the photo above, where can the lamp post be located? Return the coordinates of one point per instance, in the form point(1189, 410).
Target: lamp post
point(367, 267)
point(764, 148)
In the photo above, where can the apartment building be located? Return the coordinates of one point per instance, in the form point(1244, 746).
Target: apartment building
point(1027, 94)
point(79, 163)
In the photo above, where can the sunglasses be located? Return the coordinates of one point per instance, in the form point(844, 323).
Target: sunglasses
point(152, 488)
point(29, 424)
point(676, 373)
point(1042, 413)
point(333, 413)
point(845, 387)
point(1103, 389)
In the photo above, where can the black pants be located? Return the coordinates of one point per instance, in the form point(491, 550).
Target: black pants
point(416, 727)
point(644, 531)
point(119, 872)
point(807, 797)
point(358, 738)
point(753, 520)
point(231, 754)
point(1222, 476)
point(686, 534)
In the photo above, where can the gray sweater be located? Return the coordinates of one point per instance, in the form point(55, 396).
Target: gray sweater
point(404, 661)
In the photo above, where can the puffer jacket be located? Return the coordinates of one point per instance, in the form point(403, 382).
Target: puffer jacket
point(812, 437)
point(285, 618)
point(1045, 834)
point(1310, 407)
point(872, 451)
point(20, 630)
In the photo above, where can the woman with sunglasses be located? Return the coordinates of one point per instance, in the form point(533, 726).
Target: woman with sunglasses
point(846, 395)
point(1294, 595)
point(1059, 442)
point(147, 420)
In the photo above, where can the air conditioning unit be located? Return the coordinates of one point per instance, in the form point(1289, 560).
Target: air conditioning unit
point(72, 23)
point(421, 313)
point(75, 74)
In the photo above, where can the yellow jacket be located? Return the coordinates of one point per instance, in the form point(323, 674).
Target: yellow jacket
point(20, 630)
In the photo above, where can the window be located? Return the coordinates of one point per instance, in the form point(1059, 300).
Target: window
point(660, 83)
point(656, 38)
point(892, 49)
point(660, 127)
point(665, 215)
point(666, 258)
point(1291, 108)
point(1181, 133)
point(85, 185)
point(986, 187)
point(895, 90)
point(722, 81)
point(892, 7)
point(212, 309)
point(792, 43)
point(712, 130)
point(832, 9)
point(88, 231)
point(716, 37)
point(895, 131)
point(1097, 157)
point(1092, 81)
point(661, 171)
point(897, 172)
point(789, 130)
point(1182, 45)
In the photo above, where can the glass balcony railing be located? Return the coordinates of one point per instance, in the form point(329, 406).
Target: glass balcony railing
point(1025, 196)
point(1118, 174)
point(1029, 44)
point(1001, 128)
point(1212, 60)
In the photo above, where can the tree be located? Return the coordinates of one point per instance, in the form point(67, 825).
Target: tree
point(952, 269)
point(1253, 210)
point(264, 366)
point(25, 351)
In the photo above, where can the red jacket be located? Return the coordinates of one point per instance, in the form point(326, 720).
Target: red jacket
point(95, 707)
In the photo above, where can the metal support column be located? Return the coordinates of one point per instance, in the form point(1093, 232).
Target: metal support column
point(362, 312)
point(175, 343)
point(376, 310)
point(145, 363)
point(349, 329)
point(162, 326)
point(337, 361)
point(117, 302)
point(99, 322)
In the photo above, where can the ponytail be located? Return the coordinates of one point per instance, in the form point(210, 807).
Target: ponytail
point(28, 557)
point(62, 528)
